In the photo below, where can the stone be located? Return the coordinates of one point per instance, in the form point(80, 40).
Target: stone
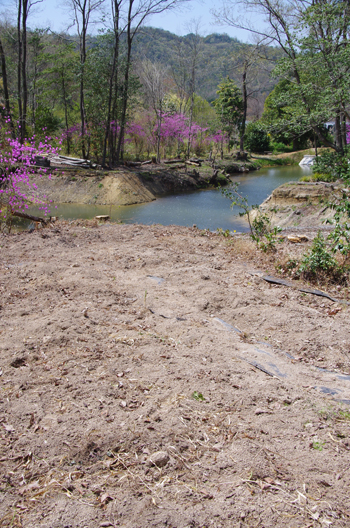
point(102, 217)
point(159, 459)
point(294, 239)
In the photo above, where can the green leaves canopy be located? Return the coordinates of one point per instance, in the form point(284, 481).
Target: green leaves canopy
point(229, 106)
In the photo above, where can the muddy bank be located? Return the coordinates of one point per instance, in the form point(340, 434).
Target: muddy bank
point(151, 377)
point(123, 187)
point(300, 204)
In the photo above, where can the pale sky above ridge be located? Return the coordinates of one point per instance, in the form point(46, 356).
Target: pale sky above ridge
point(55, 14)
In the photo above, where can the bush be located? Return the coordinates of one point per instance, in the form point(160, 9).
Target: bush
point(278, 146)
point(319, 264)
point(319, 177)
point(46, 120)
point(333, 165)
point(256, 138)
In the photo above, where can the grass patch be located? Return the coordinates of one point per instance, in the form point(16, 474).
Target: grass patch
point(318, 177)
point(272, 162)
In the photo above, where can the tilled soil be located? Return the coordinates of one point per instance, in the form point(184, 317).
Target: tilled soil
point(129, 398)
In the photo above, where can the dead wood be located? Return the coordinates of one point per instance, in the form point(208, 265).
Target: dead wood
point(29, 217)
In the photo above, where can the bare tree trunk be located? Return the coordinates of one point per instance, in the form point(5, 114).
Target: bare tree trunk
point(25, 10)
point(81, 91)
point(65, 110)
point(129, 38)
point(108, 132)
point(244, 99)
point(5, 84)
point(343, 129)
point(159, 127)
point(194, 52)
point(83, 10)
point(19, 67)
point(338, 134)
point(190, 123)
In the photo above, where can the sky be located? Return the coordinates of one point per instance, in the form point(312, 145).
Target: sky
point(55, 14)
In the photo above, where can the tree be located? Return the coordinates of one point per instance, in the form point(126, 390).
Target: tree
point(58, 83)
point(83, 11)
point(113, 88)
point(153, 80)
point(256, 139)
point(280, 112)
point(5, 84)
point(188, 51)
point(137, 12)
point(314, 38)
point(36, 46)
point(229, 107)
point(250, 63)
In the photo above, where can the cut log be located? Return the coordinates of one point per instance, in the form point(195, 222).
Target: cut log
point(173, 161)
point(174, 167)
point(188, 162)
point(102, 217)
point(30, 217)
point(66, 158)
point(148, 162)
point(73, 162)
point(132, 163)
point(42, 161)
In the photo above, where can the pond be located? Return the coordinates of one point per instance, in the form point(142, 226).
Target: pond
point(208, 209)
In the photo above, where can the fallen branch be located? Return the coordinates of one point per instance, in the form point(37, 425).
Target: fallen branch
point(168, 162)
point(188, 162)
point(320, 293)
point(29, 217)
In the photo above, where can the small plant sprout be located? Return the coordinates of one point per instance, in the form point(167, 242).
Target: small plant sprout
point(198, 396)
point(223, 233)
point(318, 445)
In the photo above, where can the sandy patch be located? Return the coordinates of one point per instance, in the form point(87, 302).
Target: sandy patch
point(129, 398)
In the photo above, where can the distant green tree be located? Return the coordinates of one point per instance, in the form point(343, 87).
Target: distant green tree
point(229, 107)
point(314, 38)
point(58, 87)
point(256, 138)
point(283, 116)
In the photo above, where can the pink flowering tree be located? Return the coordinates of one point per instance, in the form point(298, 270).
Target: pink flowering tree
point(174, 133)
point(216, 142)
point(136, 135)
point(17, 167)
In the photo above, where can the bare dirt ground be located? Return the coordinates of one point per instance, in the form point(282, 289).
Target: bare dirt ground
point(129, 397)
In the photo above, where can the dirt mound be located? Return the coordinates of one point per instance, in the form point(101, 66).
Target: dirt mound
point(125, 186)
point(151, 377)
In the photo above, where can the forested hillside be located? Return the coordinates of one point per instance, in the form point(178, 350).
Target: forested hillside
point(220, 57)
point(134, 91)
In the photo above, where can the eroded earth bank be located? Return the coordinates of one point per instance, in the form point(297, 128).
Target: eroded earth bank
point(150, 376)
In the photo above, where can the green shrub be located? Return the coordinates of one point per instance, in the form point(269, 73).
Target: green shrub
point(256, 138)
point(278, 146)
point(319, 177)
point(319, 263)
point(333, 165)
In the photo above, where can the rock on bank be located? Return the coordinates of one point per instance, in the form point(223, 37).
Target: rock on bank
point(300, 204)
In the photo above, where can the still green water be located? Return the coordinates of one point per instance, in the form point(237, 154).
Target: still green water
point(208, 209)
